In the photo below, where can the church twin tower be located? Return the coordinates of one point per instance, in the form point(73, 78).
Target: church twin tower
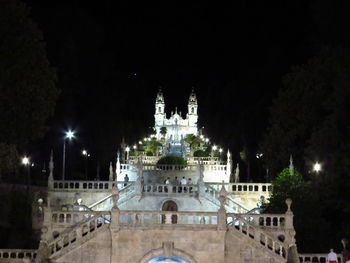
point(176, 127)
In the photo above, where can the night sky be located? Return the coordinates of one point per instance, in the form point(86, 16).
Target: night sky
point(112, 56)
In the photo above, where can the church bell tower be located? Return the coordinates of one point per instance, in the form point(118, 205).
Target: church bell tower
point(192, 109)
point(159, 115)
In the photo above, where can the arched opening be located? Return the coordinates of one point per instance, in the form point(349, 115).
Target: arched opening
point(169, 206)
point(161, 259)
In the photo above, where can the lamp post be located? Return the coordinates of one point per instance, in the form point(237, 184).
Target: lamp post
point(220, 151)
point(86, 155)
point(26, 163)
point(69, 136)
point(127, 149)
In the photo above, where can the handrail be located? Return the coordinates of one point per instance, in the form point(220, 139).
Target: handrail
point(317, 257)
point(18, 253)
point(77, 232)
point(121, 191)
point(213, 193)
point(238, 222)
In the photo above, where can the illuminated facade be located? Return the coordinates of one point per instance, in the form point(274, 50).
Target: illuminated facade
point(176, 126)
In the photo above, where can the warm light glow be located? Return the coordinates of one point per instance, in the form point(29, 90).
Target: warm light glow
point(70, 134)
point(206, 140)
point(215, 148)
point(317, 167)
point(220, 151)
point(127, 148)
point(202, 137)
point(140, 142)
point(134, 147)
point(25, 160)
point(259, 155)
point(84, 152)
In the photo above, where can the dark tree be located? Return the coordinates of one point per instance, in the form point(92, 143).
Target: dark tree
point(309, 98)
point(27, 82)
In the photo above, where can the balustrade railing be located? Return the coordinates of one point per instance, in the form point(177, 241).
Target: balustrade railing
point(213, 195)
point(86, 185)
point(142, 218)
point(168, 167)
point(243, 187)
point(71, 218)
point(84, 229)
point(245, 227)
point(17, 253)
point(125, 193)
point(273, 221)
point(317, 258)
point(170, 189)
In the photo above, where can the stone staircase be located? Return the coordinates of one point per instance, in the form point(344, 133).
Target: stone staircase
point(258, 238)
point(125, 194)
point(78, 234)
point(211, 194)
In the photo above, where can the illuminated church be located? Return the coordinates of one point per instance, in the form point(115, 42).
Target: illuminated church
point(176, 127)
point(153, 218)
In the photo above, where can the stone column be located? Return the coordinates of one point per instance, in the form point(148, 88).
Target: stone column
point(292, 253)
point(43, 252)
point(114, 226)
point(222, 210)
point(200, 183)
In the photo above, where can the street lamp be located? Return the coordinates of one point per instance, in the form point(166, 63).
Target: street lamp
point(127, 149)
point(86, 155)
point(69, 136)
point(27, 164)
point(317, 167)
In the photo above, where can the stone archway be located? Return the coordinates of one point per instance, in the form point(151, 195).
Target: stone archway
point(167, 252)
point(169, 206)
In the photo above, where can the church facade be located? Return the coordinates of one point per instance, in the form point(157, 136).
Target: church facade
point(176, 126)
point(155, 219)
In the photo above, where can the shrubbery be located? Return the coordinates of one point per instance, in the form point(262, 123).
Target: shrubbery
point(172, 159)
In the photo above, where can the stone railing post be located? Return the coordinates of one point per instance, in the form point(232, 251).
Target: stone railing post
point(43, 252)
point(292, 253)
point(115, 212)
point(222, 211)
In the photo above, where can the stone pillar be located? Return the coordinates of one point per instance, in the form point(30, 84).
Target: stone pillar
point(200, 183)
point(115, 212)
point(51, 166)
point(117, 167)
point(110, 172)
point(292, 253)
point(222, 211)
point(43, 252)
point(114, 225)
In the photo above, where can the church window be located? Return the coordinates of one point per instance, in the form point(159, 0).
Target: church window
point(159, 109)
point(192, 110)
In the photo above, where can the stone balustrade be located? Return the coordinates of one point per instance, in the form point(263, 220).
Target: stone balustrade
point(80, 231)
point(143, 218)
point(145, 159)
point(169, 167)
point(125, 193)
point(213, 195)
point(317, 258)
point(70, 218)
point(205, 160)
point(190, 160)
point(17, 253)
point(237, 188)
point(265, 220)
point(239, 223)
point(170, 189)
point(86, 185)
